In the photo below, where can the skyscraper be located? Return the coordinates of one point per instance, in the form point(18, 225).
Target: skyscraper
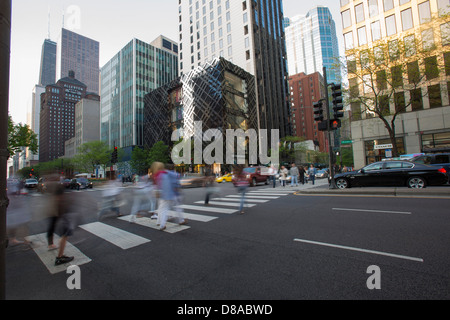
point(138, 68)
point(57, 116)
point(312, 44)
point(47, 73)
point(80, 54)
point(249, 34)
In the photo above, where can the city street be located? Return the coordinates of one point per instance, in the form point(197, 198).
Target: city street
point(287, 246)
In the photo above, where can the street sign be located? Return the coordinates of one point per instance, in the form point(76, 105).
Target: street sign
point(347, 142)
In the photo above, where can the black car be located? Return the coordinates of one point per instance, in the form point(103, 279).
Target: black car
point(393, 173)
point(80, 183)
point(440, 160)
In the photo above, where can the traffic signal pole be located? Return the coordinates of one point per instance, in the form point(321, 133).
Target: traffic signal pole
point(330, 147)
point(5, 45)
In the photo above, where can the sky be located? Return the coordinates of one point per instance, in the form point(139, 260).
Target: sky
point(113, 23)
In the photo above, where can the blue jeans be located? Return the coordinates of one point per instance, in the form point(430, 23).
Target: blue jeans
point(242, 190)
point(294, 180)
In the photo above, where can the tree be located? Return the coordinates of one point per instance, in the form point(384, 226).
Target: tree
point(158, 153)
point(21, 136)
point(395, 74)
point(139, 160)
point(91, 154)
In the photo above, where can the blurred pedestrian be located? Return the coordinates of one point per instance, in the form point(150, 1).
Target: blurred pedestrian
point(210, 185)
point(294, 172)
point(17, 219)
point(167, 186)
point(312, 173)
point(301, 171)
point(110, 201)
point(283, 175)
point(60, 205)
point(242, 184)
point(273, 174)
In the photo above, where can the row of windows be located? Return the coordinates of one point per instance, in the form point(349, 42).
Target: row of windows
point(406, 16)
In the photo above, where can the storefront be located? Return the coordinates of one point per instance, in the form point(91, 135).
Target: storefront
point(377, 150)
point(435, 142)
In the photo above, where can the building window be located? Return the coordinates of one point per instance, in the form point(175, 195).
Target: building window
point(348, 38)
point(388, 4)
point(359, 13)
point(424, 12)
point(434, 96)
point(346, 19)
point(373, 8)
point(407, 20)
point(431, 68)
point(362, 36)
point(391, 27)
point(376, 30)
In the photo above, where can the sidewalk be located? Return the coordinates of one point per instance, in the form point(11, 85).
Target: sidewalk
point(429, 192)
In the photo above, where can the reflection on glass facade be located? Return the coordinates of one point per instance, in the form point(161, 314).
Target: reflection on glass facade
point(136, 70)
point(219, 94)
point(311, 44)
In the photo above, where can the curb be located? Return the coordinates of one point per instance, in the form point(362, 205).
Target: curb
point(393, 192)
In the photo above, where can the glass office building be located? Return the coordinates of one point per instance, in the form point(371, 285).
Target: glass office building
point(133, 72)
point(311, 44)
point(248, 33)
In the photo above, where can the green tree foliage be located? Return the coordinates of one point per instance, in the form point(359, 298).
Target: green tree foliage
point(91, 154)
point(21, 136)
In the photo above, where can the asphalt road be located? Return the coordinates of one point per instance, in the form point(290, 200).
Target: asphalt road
point(294, 247)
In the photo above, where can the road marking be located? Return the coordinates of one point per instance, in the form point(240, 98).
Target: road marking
point(229, 204)
point(152, 223)
point(276, 190)
point(266, 194)
point(208, 209)
point(360, 250)
point(117, 237)
point(40, 247)
point(253, 197)
point(198, 217)
point(366, 210)
point(238, 199)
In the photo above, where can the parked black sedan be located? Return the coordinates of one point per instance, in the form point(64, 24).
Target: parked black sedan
point(393, 173)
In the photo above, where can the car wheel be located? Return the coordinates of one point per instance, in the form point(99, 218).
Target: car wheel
point(416, 183)
point(254, 182)
point(342, 183)
point(267, 181)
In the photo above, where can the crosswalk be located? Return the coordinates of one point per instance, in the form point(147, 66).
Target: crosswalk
point(125, 240)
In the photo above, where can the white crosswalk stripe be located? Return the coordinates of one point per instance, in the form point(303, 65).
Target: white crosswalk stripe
point(254, 197)
point(152, 223)
point(238, 199)
point(40, 247)
point(116, 236)
point(228, 204)
point(208, 209)
point(266, 194)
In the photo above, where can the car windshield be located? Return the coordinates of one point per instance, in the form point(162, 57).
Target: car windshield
point(250, 170)
point(31, 180)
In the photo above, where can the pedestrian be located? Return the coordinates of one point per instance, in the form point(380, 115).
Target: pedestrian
point(142, 202)
point(242, 185)
point(167, 193)
point(294, 172)
point(273, 174)
point(17, 219)
point(312, 173)
point(283, 175)
point(60, 215)
point(301, 171)
point(111, 201)
point(210, 185)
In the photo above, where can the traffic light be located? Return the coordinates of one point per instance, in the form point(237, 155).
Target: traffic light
point(338, 106)
point(335, 124)
point(114, 156)
point(318, 111)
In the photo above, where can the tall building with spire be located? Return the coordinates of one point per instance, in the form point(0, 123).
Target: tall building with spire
point(47, 73)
